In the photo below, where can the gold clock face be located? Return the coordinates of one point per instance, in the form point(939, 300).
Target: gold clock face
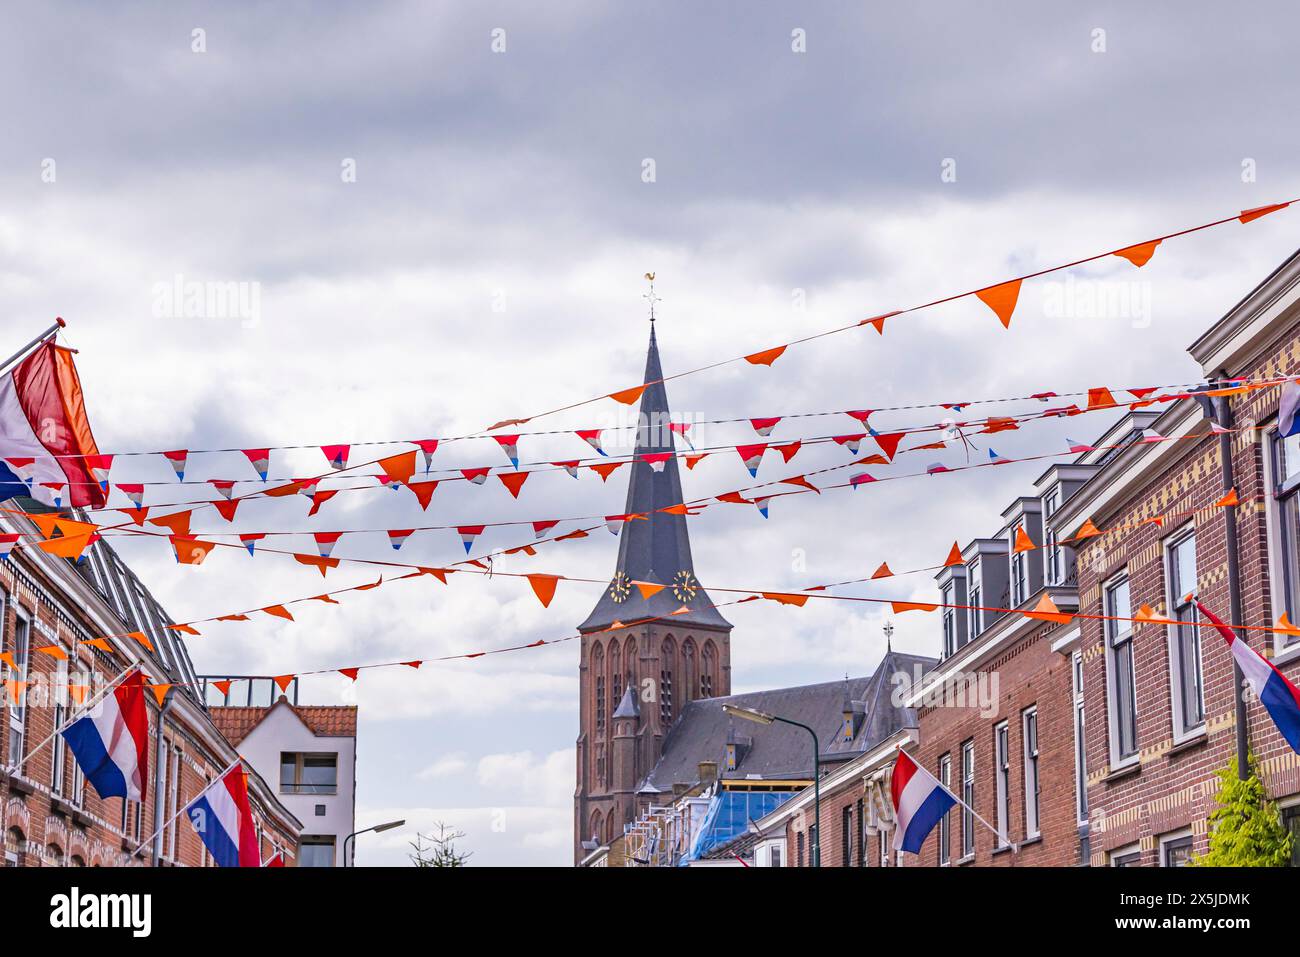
point(620, 587)
point(684, 586)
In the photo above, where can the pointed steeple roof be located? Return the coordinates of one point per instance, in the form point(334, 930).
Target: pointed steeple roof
point(658, 547)
point(628, 707)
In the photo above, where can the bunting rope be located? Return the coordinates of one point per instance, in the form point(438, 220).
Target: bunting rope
point(1000, 297)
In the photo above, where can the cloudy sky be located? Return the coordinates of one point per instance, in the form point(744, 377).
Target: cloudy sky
point(444, 225)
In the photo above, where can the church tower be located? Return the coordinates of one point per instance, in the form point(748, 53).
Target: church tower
point(676, 647)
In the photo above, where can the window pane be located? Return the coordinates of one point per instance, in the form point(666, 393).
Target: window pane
point(1117, 604)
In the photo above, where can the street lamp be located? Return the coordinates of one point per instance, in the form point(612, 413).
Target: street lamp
point(762, 717)
point(366, 830)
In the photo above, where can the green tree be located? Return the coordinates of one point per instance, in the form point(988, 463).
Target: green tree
point(1245, 827)
point(440, 851)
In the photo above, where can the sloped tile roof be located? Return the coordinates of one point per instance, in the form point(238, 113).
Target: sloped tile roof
point(325, 721)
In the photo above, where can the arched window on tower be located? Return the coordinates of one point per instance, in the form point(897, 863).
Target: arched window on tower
point(667, 663)
point(708, 670)
point(690, 673)
point(597, 827)
point(598, 672)
point(615, 674)
point(629, 663)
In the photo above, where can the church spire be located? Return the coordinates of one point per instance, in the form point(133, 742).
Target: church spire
point(657, 548)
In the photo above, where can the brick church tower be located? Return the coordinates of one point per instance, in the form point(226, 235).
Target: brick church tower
point(634, 681)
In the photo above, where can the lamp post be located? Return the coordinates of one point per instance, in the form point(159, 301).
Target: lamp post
point(366, 830)
point(762, 717)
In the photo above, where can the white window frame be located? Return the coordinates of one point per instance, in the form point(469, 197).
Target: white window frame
point(1167, 839)
point(1053, 553)
point(18, 711)
point(974, 596)
point(1286, 648)
point(1117, 853)
point(58, 747)
point(1183, 730)
point(1080, 740)
point(1109, 633)
point(945, 822)
point(949, 592)
point(1002, 778)
point(1032, 772)
point(1018, 568)
point(968, 797)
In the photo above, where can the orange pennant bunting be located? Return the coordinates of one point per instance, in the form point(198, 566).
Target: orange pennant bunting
point(142, 638)
point(1140, 254)
point(1087, 530)
point(78, 693)
point(785, 598)
point(1228, 500)
point(68, 546)
point(544, 587)
point(766, 357)
point(278, 611)
point(54, 651)
point(1047, 610)
point(222, 686)
point(160, 692)
point(178, 522)
point(902, 606)
point(1284, 626)
point(1023, 542)
point(283, 681)
point(513, 481)
point(321, 564)
point(1250, 215)
point(100, 643)
point(1002, 300)
point(400, 467)
point(954, 557)
point(184, 629)
point(648, 589)
point(883, 571)
point(605, 470)
point(628, 396)
point(190, 551)
point(350, 672)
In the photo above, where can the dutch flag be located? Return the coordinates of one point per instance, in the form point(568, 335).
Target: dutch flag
point(109, 742)
point(920, 802)
point(43, 425)
point(224, 821)
point(1280, 698)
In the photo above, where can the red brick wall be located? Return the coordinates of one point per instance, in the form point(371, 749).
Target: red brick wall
point(1029, 674)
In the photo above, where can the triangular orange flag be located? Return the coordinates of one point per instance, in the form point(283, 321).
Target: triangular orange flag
point(74, 529)
point(1023, 542)
point(878, 322)
point(43, 522)
point(883, 571)
point(628, 396)
point(222, 686)
point(1100, 398)
point(1046, 610)
point(1284, 626)
point(513, 481)
point(1227, 500)
point(785, 598)
point(438, 573)
point(137, 515)
point(1140, 254)
point(323, 565)
point(954, 557)
point(68, 546)
point(78, 692)
point(279, 611)
point(902, 606)
point(694, 460)
point(160, 692)
point(227, 508)
point(141, 637)
point(423, 492)
point(16, 689)
point(350, 672)
point(1087, 530)
point(648, 589)
point(184, 629)
point(1002, 300)
point(190, 551)
point(100, 643)
point(178, 522)
point(802, 482)
point(400, 467)
point(54, 651)
point(1250, 215)
point(606, 470)
point(766, 357)
point(544, 587)
point(284, 681)
point(8, 658)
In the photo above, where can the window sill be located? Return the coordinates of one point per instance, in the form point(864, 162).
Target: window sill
point(968, 859)
point(1031, 841)
point(1123, 771)
point(1001, 849)
point(1193, 741)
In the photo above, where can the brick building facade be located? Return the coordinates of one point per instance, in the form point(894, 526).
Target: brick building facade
point(51, 816)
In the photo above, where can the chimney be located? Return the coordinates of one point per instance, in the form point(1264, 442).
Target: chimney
point(708, 772)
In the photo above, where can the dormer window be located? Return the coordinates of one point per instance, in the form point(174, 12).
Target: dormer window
point(949, 620)
point(1053, 557)
point(974, 618)
point(1019, 572)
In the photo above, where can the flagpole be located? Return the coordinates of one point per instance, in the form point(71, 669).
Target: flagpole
point(167, 823)
point(1015, 848)
point(73, 719)
point(58, 324)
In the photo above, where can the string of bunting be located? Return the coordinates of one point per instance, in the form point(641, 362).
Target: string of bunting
point(1000, 297)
